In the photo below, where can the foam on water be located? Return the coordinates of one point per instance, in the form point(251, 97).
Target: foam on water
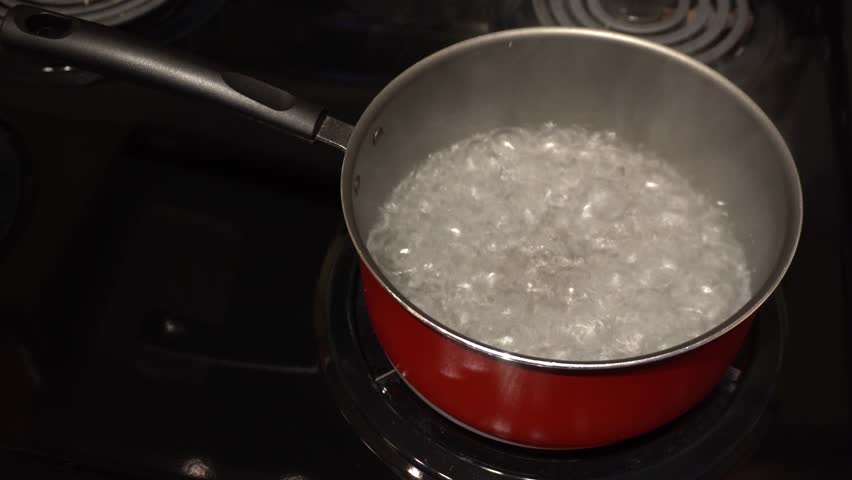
point(560, 243)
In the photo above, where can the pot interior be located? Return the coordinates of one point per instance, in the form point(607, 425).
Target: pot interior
point(703, 125)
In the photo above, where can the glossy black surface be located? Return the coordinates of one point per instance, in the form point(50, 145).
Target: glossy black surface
point(158, 307)
point(13, 184)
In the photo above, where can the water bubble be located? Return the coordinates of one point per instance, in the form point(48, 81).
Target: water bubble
point(561, 243)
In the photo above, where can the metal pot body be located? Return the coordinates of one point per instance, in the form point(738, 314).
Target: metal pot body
point(543, 408)
point(711, 131)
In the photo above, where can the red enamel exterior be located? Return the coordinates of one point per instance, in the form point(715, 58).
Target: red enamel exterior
point(544, 408)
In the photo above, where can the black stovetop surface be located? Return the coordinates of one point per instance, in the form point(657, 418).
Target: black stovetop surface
point(161, 289)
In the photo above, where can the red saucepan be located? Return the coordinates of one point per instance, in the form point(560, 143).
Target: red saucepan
point(648, 94)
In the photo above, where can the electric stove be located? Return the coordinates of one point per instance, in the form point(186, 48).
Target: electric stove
point(178, 297)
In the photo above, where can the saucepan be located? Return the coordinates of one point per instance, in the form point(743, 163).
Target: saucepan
point(720, 140)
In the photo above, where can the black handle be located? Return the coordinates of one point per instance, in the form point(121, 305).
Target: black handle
point(107, 50)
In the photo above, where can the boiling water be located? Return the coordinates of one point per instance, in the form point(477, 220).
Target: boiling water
point(560, 243)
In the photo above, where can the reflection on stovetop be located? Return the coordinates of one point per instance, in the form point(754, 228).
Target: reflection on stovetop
point(186, 258)
point(158, 300)
point(175, 329)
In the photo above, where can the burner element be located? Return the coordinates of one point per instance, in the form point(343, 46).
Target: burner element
point(638, 11)
point(749, 42)
point(414, 441)
point(106, 12)
point(709, 30)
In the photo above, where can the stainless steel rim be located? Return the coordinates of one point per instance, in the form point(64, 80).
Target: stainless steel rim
point(362, 129)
